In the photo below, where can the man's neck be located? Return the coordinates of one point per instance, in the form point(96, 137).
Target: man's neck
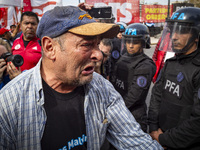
point(25, 39)
point(50, 78)
point(25, 42)
point(192, 49)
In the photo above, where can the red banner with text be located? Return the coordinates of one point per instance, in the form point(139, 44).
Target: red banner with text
point(154, 13)
point(123, 10)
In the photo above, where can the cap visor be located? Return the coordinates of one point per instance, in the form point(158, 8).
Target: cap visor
point(106, 30)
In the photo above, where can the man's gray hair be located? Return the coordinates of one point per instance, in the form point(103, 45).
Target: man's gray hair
point(107, 42)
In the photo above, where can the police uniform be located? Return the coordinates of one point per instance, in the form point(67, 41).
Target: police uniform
point(115, 55)
point(133, 75)
point(175, 103)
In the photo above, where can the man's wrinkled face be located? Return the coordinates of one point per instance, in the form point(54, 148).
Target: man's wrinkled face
point(29, 26)
point(76, 58)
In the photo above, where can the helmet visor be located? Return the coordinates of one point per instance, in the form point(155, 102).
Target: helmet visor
point(132, 44)
point(176, 37)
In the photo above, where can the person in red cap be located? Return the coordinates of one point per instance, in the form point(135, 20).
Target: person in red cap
point(6, 36)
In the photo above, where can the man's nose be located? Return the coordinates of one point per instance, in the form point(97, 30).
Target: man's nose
point(97, 54)
point(175, 36)
point(131, 44)
point(30, 25)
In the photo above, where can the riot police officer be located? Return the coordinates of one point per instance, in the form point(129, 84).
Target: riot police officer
point(174, 113)
point(134, 71)
point(122, 28)
point(116, 51)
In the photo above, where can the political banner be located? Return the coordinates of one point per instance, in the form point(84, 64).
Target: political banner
point(177, 6)
point(10, 3)
point(154, 13)
point(123, 10)
point(12, 13)
point(41, 6)
point(27, 5)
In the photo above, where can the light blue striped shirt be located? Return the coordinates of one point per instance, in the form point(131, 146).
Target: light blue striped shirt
point(22, 115)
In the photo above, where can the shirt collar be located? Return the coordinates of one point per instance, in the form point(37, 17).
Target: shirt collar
point(38, 81)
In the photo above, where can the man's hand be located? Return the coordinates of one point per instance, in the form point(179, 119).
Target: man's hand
point(16, 30)
point(85, 6)
point(12, 70)
point(155, 134)
point(2, 68)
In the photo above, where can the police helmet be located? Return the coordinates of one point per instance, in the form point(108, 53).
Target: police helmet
point(183, 21)
point(122, 26)
point(138, 31)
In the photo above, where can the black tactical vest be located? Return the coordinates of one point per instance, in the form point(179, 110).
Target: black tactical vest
point(178, 90)
point(124, 71)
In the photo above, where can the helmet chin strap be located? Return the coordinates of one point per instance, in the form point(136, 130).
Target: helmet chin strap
point(187, 47)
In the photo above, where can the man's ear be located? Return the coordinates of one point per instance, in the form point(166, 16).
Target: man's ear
point(48, 45)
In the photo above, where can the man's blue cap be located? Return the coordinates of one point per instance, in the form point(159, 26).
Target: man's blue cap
point(62, 19)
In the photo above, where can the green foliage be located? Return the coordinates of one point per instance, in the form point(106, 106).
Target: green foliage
point(195, 2)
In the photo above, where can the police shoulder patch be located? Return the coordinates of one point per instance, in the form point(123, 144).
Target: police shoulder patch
point(180, 77)
point(115, 54)
point(141, 81)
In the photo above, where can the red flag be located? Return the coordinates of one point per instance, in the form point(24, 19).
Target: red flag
point(27, 5)
point(3, 17)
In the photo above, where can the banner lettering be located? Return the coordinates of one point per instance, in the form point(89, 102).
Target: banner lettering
point(154, 13)
point(123, 10)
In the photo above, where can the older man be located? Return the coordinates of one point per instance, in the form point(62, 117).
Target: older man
point(61, 103)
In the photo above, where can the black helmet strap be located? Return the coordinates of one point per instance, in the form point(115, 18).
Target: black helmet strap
point(189, 44)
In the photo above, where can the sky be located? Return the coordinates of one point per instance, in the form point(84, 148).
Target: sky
point(162, 2)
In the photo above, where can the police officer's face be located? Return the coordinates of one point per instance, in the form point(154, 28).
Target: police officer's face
point(133, 46)
point(180, 40)
point(181, 37)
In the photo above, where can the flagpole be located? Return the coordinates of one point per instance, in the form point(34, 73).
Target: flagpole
point(168, 9)
point(22, 6)
point(15, 14)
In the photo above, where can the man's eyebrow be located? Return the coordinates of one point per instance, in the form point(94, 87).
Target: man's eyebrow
point(88, 38)
point(29, 21)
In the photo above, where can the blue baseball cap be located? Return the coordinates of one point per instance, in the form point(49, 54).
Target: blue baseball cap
point(64, 19)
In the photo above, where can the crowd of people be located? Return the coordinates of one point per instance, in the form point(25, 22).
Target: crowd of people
point(68, 81)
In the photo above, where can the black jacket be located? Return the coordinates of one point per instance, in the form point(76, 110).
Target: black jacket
point(133, 76)
point(175, 103)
